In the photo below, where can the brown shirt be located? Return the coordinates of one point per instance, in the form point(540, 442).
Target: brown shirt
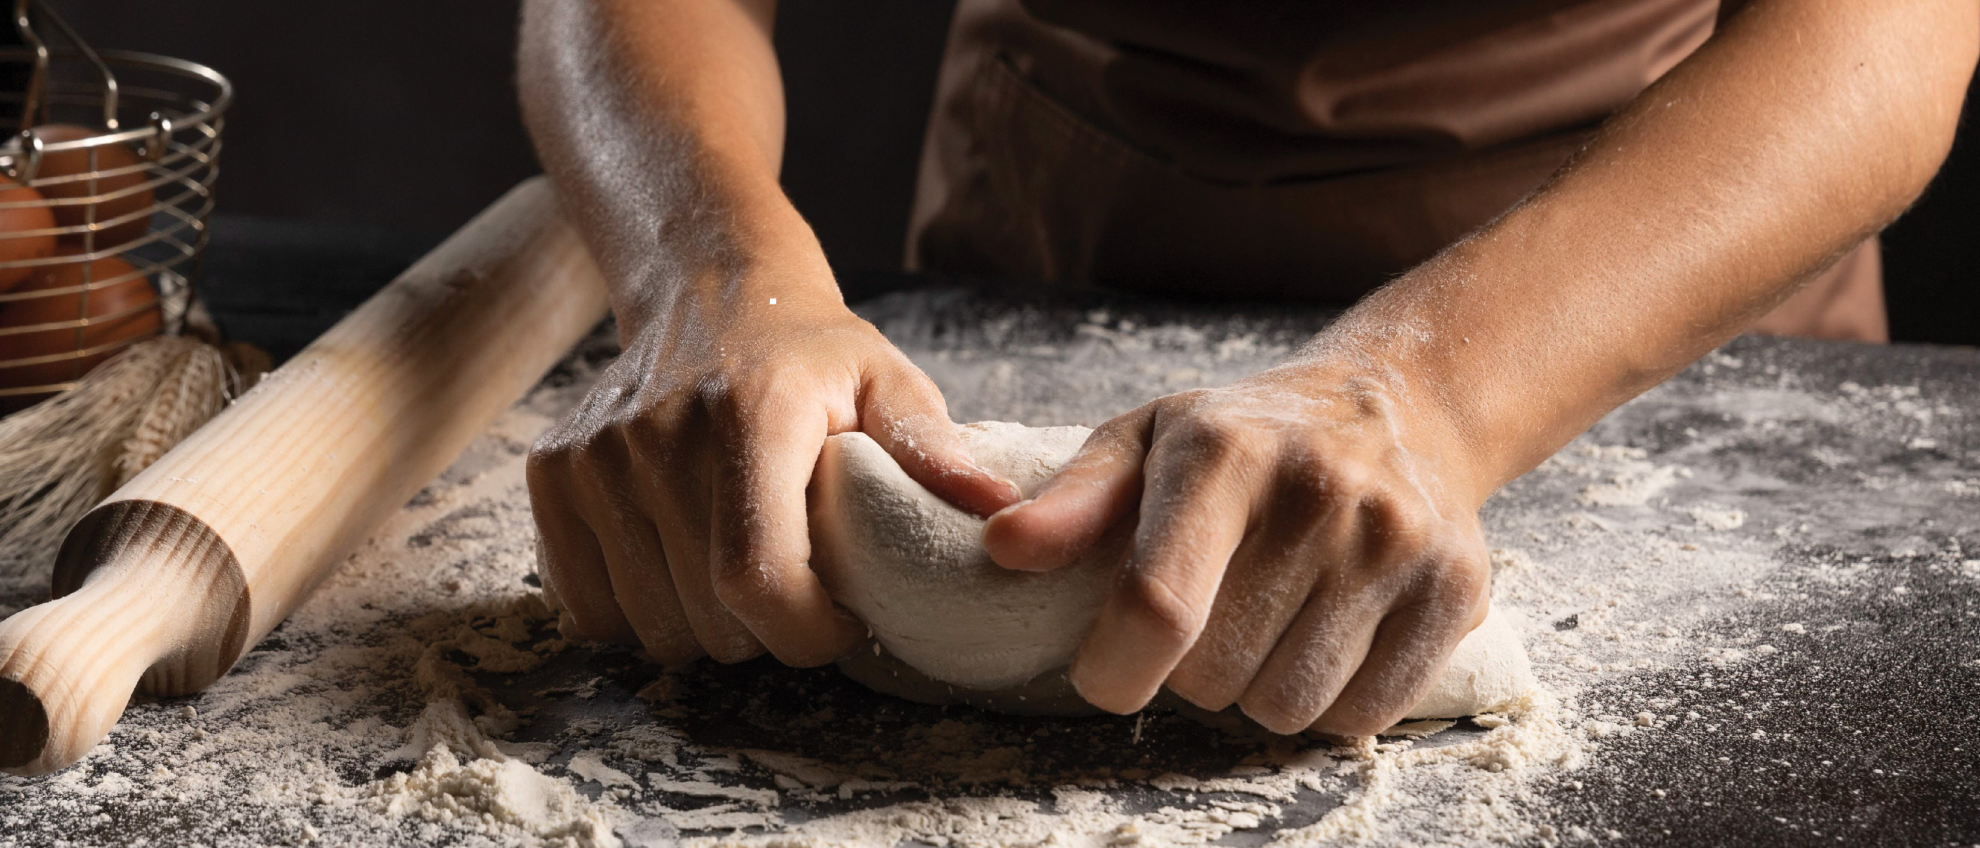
point(1291, 148)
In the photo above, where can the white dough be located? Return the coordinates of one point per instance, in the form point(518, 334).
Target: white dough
point(913, 568)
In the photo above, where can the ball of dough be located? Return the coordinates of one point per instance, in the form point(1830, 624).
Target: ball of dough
point(956, 627)
point(913, 567)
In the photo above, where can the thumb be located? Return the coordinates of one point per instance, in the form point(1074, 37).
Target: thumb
point(1094, 490)
point(905, 414)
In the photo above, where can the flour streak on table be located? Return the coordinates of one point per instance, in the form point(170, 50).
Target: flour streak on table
point(1749, 591)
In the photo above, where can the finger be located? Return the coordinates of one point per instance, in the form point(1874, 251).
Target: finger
point(1314, 660)
point(1093, 491)
point(636, 562)
point(1308, 525)
point(1268, 581)
point(636, 569)
point(676, 491)
point(568, 557)
point(1414, 643)
point(904, 412)
point(762, 545)
point(1403, 665)
point(1192, 520)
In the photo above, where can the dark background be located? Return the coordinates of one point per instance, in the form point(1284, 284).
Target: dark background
point(396, 121)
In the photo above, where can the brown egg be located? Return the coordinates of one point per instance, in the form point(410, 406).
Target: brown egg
point(22, 219)
point(108, 157)
point(133, 295)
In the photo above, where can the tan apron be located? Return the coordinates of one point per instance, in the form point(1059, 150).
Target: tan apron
point(1287, 149)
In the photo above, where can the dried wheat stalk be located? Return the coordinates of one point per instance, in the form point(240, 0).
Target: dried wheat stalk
point(61, 457)
point(193, 390)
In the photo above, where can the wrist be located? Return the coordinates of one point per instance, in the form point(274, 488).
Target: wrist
point(1411, 407)
point(1403, 345)
point(722, 264)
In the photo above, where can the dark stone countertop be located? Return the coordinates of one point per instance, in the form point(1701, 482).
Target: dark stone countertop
point(1818, 684)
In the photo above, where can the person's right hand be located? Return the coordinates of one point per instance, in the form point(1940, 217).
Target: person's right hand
point(670, 504)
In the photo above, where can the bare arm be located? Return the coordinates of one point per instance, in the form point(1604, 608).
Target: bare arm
point(1799, 130)
point(662, 123)
point(671, 502)
point(1307, 543)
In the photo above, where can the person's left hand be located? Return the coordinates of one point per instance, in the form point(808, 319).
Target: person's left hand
point(1307, 547)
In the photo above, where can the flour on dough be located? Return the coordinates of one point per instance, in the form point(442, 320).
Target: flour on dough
point(913, 567)
point(956, 627)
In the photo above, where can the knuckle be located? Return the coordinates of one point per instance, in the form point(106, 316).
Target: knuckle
point(1462, 586)
point(1158, 606)
point(1397, 530)
point(1280, 707)
point(1208, 440)
point(717, 627)
point(727, 409)
point(1356, 719)
point(1467, 575)
point(733, 647)
point(649, 429)
point(557, 448)
point(669, 639)
point(1205, 684)
point(672, 651)
point(1407, 524)
point(1119, 440)
point(744, 586)
point(1110, 435)
point(1352, 478)
point(543, 471)
point(719, 395)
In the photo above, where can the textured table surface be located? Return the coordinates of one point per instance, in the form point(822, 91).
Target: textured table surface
point(1753, 594)
point(1848, 593)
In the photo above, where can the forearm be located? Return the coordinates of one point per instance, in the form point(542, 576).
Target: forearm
point(662, 125)
point(1801, 128)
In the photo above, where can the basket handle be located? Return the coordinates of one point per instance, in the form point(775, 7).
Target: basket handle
point(36, 83)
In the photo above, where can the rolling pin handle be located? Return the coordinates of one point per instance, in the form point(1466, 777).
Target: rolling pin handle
point(145, 593)
point(278, 488)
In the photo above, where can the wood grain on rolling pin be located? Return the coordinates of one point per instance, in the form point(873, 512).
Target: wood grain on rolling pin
point(208, 550)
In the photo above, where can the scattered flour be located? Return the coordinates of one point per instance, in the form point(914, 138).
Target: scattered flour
point(1718, 517)
point(423, 697)
point(489, 793)
point(1628, 477)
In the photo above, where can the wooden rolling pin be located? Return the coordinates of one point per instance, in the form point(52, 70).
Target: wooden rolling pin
point(166, 583)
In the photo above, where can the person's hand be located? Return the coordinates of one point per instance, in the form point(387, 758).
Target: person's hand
point(1306, 546)
point(670, 504)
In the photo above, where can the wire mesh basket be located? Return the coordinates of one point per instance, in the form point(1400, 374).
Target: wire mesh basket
point(104, 198)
